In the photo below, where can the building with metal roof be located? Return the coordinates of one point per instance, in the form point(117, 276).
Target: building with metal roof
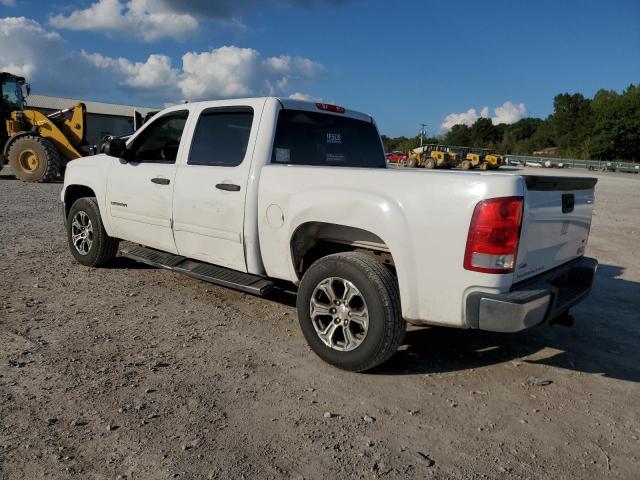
point(101, 118)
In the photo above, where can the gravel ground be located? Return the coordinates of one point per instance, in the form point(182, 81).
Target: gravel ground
point(137, 373)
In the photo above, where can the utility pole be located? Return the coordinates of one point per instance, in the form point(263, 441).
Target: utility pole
point(423, 133)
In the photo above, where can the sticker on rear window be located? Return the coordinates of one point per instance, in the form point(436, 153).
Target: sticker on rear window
point(283, 155)
point(334, 138)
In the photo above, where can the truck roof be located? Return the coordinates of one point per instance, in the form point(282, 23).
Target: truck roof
point(287, 103)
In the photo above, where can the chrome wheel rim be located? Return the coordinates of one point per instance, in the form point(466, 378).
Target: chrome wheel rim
point(82, 232)
point(339, 314)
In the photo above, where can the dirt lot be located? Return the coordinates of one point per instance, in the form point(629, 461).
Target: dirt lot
point(137, 373)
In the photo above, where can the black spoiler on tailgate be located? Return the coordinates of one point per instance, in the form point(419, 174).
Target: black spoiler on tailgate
point(548, 183)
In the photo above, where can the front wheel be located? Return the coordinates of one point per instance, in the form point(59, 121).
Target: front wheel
point(34, 159)
point(88, 240)
point(430, 163)
point(349, 311)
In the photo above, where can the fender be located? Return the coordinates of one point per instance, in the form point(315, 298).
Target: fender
point(90, 172)
point(5, 150)
point(375, 213)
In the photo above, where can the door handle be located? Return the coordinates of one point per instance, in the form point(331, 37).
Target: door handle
point(161, 181)
point(228, 187)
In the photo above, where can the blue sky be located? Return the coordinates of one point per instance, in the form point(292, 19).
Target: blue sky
point(405, 62)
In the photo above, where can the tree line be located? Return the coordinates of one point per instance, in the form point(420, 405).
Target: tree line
point(605, 127)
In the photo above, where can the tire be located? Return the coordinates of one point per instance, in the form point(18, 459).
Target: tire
point(376, 293)
point(411, 162)
point(465, 165)
point(484, 166)
point(34, 159)
point(100, 249)
point(430, 163)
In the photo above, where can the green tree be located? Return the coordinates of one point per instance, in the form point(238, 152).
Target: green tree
point(572, 124)
point(616, 130)
point(458, 135)
point(484, 133)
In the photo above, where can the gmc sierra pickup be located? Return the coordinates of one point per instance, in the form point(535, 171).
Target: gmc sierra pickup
point(268, 192)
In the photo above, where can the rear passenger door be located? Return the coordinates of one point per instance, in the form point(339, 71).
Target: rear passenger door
point(210, 188)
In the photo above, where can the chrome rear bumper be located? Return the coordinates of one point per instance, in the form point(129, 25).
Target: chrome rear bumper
point(537, 300)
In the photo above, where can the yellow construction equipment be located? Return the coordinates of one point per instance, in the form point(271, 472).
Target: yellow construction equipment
point(483, 158)
point(493, 159)
point(433, 156)
point(37, 146)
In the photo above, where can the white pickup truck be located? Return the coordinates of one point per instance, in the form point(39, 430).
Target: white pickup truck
point(268, 192)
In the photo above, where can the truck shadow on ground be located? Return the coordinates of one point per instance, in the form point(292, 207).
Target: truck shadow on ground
point(604, 339)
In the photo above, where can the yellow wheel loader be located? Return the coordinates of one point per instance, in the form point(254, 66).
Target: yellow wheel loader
point(36, 146)
point(493, 159)
point(432, 156)
point(484, 159)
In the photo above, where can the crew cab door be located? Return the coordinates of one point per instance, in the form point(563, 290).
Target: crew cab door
point(140, 185)
point(210, 190)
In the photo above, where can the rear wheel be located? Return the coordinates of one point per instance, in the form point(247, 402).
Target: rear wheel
point(484, 166)
point(34, 159)
point(349, 311)
point(88, 240)
point(465, 165)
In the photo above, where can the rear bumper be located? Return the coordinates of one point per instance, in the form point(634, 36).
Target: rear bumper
point(534, 301)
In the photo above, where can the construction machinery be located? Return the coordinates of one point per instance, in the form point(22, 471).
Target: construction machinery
point(493, 159)
point(35, 145)
point(482, 158)
point(433, 156)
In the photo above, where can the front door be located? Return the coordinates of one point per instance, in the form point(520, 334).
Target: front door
point(140, 185)
point(210, 191)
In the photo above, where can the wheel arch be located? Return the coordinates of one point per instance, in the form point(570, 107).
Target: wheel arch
point(75, 192)
point(11, 141)
point(315, 239)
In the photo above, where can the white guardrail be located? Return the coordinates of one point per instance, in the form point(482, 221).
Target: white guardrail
point(551, 162)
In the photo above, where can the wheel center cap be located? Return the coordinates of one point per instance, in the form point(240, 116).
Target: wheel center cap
point(342, 312)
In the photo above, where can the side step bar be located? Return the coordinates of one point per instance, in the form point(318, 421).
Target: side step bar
point(225, 277)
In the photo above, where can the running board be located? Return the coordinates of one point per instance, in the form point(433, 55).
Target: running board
point(245, 282)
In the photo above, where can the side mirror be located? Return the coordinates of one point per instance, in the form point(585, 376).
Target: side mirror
point(115, 147)
point(28, 86)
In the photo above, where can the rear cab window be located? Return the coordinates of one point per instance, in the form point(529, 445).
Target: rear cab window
point(322, 139)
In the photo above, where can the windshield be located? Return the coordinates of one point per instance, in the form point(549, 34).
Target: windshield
point(11, 94)
point(311, 138)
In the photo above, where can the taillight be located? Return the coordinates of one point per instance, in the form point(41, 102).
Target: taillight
point(494, 233)
point(329, 108)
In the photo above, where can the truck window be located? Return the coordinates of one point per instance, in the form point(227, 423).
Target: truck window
point(159, 142)
point(221, 137)
point(311, 138)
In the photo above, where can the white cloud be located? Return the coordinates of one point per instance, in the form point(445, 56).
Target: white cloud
point(8, 3)
point(148, 19)
point(29, 50)
point(304, 96)
point(508, 112)
point(49, 63)
point(153, 74)
point(465, 118)
point(223, 72)
point(155, 19)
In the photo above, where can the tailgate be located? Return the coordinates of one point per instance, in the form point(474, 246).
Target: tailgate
point(556, 222)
